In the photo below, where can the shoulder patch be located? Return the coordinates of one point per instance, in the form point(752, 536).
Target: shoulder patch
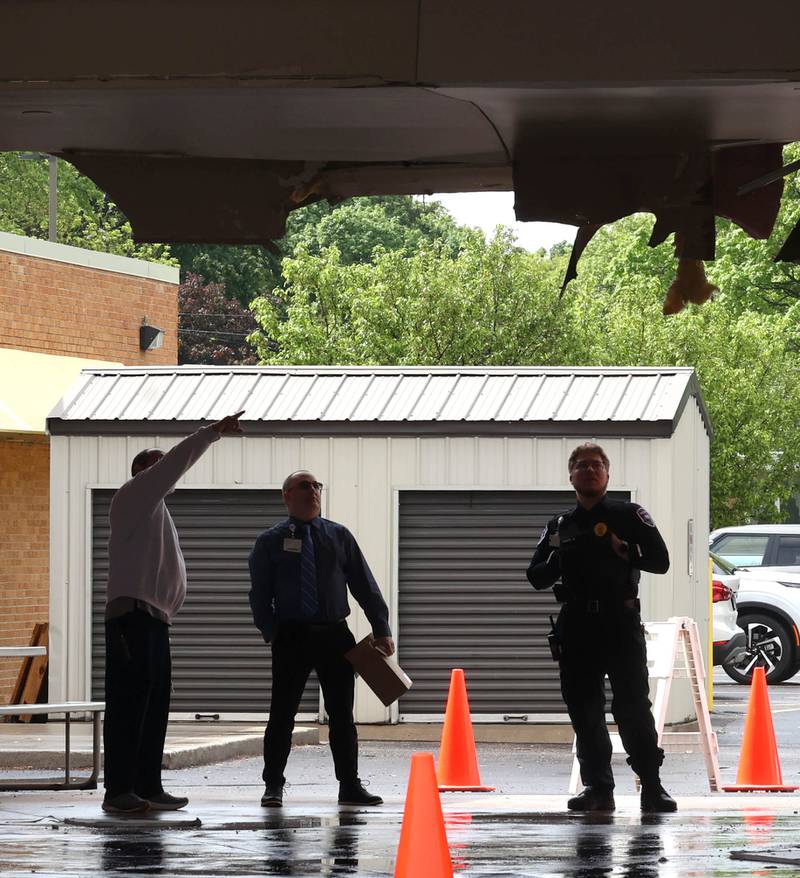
point(644, 517)
point(543, 537)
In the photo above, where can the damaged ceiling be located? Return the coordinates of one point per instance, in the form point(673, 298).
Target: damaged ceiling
point(209, 121)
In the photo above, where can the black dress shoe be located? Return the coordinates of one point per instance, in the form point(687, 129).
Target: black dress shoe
point(656, 800)
point(273, 796)
point(125, 803)
point(353, 793)
point(165, 802)
point(592, 800)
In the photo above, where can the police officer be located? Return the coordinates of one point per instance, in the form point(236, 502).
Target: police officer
point(597, 550)
point(300, 572)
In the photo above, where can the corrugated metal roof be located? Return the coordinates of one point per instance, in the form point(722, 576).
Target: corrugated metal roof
point(443, 396)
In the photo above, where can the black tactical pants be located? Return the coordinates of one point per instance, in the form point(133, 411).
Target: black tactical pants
point(296, 650)
point(594, 645)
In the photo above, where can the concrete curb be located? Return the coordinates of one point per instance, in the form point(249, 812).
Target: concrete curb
point(230, 748)
point(177, 754)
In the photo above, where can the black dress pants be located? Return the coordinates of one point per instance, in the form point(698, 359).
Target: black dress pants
point(138, 684)
point(298, 648)
point(613, 644)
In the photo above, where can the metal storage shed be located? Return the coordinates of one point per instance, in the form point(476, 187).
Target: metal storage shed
point(445, 475)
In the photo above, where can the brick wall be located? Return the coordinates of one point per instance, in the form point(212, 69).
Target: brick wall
point(57, 308)
point(24, 545)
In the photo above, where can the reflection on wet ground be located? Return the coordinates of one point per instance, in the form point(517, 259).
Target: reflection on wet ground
point(321, 840)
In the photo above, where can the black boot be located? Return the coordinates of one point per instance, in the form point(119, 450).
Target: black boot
point(592, 799)
point(353, 793)
point(273, 795)
point(656, 800)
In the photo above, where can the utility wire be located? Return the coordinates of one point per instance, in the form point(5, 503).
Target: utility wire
point(213, 332)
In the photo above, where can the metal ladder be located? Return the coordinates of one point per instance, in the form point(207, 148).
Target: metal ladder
point(673, 650)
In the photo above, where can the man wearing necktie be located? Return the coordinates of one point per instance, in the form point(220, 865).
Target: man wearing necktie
point(300, 573)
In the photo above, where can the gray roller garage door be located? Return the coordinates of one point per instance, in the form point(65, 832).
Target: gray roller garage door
point(220, 663)
point(464, 601)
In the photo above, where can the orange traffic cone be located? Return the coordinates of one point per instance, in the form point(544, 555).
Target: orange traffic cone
point(458, 762)
point(759, 764)
point(423, 841)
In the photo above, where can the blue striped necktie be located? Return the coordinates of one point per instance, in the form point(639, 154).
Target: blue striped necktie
point(309, 603)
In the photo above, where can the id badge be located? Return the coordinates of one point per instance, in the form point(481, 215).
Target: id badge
point(292, 545)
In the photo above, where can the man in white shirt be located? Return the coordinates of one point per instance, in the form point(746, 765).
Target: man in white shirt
point(146, 588)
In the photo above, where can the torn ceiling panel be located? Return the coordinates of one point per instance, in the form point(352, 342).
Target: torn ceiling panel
point(209, 200)
point(684, 190)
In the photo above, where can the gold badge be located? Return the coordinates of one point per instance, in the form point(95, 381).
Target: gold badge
point(600, 529)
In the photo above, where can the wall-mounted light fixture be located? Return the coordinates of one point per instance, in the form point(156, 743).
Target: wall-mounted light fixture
point(150, 337)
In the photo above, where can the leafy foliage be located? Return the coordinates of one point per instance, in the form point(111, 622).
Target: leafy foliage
point(493, 304)
point(394, 280)
point(357, 227)
point(212, 328)
point(486, 304)
point(360, 226)
point(86, 217)
point(746, 359)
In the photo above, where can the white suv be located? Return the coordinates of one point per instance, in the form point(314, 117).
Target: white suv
point(767, 558)
point(758, 545)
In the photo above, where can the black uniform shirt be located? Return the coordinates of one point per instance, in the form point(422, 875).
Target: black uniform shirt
point(576, 547)
point(275, 578)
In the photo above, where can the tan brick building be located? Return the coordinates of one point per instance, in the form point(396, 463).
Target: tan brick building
point(61, 309)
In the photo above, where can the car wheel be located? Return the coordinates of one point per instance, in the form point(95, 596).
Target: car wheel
point(767, 643)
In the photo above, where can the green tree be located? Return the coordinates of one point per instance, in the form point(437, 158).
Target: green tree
point(488, 303)
point(243, 271)
point(86, 217)
point(493, 304)
point(357, 227)
point(747, 361)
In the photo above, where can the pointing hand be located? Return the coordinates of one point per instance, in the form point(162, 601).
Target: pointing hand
point(230, 424)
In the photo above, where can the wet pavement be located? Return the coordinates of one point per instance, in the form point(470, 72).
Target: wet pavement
point(521, 830)
point(497, 836)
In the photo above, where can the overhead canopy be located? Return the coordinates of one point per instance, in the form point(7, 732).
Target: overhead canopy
point(209, 121)
point(382, 400)
point(32, 384)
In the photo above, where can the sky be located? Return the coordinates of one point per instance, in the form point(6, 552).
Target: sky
point(489, 209)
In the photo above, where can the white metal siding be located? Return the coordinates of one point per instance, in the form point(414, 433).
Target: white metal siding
point(363, 477)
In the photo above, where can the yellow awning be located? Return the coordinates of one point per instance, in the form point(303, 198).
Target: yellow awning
point(31, 384)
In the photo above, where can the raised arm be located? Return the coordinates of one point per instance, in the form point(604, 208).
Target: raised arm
point(149, 487)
